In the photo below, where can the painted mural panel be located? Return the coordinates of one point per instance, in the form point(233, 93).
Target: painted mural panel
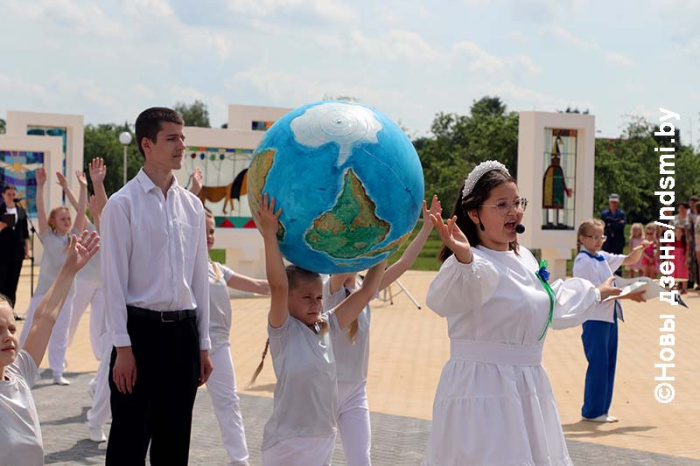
point(559, 179)
point(224, 173)
point(19, 168)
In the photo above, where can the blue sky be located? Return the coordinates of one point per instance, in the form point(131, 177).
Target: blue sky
point(108, 60)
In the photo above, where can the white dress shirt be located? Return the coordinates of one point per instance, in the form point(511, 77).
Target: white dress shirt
point(154, 254)
point(597, 272)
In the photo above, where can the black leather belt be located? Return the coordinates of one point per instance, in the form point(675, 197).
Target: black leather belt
point(161, 316)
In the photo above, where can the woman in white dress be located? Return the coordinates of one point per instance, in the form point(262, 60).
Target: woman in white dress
point(494, 404)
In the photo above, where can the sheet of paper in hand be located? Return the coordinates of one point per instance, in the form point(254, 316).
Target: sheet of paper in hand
point(632, 285)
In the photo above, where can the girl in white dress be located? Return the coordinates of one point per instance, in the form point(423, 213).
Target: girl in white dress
point(54, 232)
point(302, 428)
point(351, 347)
point(222, 381)
point(494, 404)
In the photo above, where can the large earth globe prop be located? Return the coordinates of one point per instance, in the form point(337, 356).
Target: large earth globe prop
point(349, 183)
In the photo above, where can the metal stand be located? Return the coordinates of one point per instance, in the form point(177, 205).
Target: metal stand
point(32, 230)
point(387, 292)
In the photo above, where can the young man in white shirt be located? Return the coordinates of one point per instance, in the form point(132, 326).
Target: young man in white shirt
point(156, 288)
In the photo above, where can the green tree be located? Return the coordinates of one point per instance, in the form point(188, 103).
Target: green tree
point(460, 142)
point(629, 165)
point(103, 141)
point(195, 114)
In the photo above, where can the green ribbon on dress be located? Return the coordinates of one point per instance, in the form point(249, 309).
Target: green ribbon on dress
point(550, 293)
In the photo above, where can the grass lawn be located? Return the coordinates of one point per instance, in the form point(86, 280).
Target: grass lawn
point(427, 259)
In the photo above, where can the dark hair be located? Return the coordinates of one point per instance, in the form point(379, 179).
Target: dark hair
point(296, 275)
point(480, 193)
point(148, 123)
point(5, 300)
point(7, 187)
point(694, 198)
point(684, 204)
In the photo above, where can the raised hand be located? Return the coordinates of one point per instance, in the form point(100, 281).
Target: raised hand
point(82, 179)
point(266, 216)
point(435, 209)
point(453, 238)
point(92, 204)
point(98, 170)
point(80, 251)
point(40, 176)
point(62, 181)
point(197, 182)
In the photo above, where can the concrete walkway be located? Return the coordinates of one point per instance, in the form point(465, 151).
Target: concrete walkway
point(398, 440)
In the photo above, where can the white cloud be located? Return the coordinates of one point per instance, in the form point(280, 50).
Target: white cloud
point(80, 18)
point(288, 89)
point(331, 10)
point(618, 58)
point(477, 59)
point(397, 45)
point(559, 33)
point(530, 99)
point(564, 35)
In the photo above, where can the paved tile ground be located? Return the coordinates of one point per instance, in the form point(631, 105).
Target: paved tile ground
point(409, 349)
point(398, 440)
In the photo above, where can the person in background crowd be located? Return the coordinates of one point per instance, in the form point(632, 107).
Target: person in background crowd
point(615, 220)
point(14, 243)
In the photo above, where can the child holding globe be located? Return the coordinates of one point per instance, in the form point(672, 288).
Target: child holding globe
point(302, 428)
point(494, 403)
point(351, 347)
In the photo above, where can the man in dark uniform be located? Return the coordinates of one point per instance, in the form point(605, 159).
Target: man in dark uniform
point(615, 220)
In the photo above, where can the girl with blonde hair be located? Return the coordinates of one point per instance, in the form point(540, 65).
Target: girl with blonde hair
point(54, 233)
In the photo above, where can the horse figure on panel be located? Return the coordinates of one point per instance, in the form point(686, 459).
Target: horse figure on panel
point(231, 191)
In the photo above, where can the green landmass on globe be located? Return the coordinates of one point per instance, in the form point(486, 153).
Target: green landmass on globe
point(257, 176)
point(351, 228)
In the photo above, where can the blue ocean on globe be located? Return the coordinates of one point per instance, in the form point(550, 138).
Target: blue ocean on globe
point(348, 180)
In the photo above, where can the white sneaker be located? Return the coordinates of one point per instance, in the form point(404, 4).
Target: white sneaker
point(97, 434)
point(60, 380)
point(602, 418)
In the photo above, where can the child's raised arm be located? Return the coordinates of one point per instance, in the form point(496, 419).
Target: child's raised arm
point(40, 204)
point(80, 218)
point(636, 253)
point(98, 173)
point(274, 267)
point(411, 253)
point(348, 310)
point(81, 203)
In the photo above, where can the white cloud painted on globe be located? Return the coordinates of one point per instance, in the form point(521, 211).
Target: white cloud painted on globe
point(347, 125)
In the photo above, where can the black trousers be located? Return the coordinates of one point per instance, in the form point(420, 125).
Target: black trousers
point(159, 409)
point(9, 277)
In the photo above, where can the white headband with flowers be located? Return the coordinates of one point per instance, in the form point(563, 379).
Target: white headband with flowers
point(479, 171)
